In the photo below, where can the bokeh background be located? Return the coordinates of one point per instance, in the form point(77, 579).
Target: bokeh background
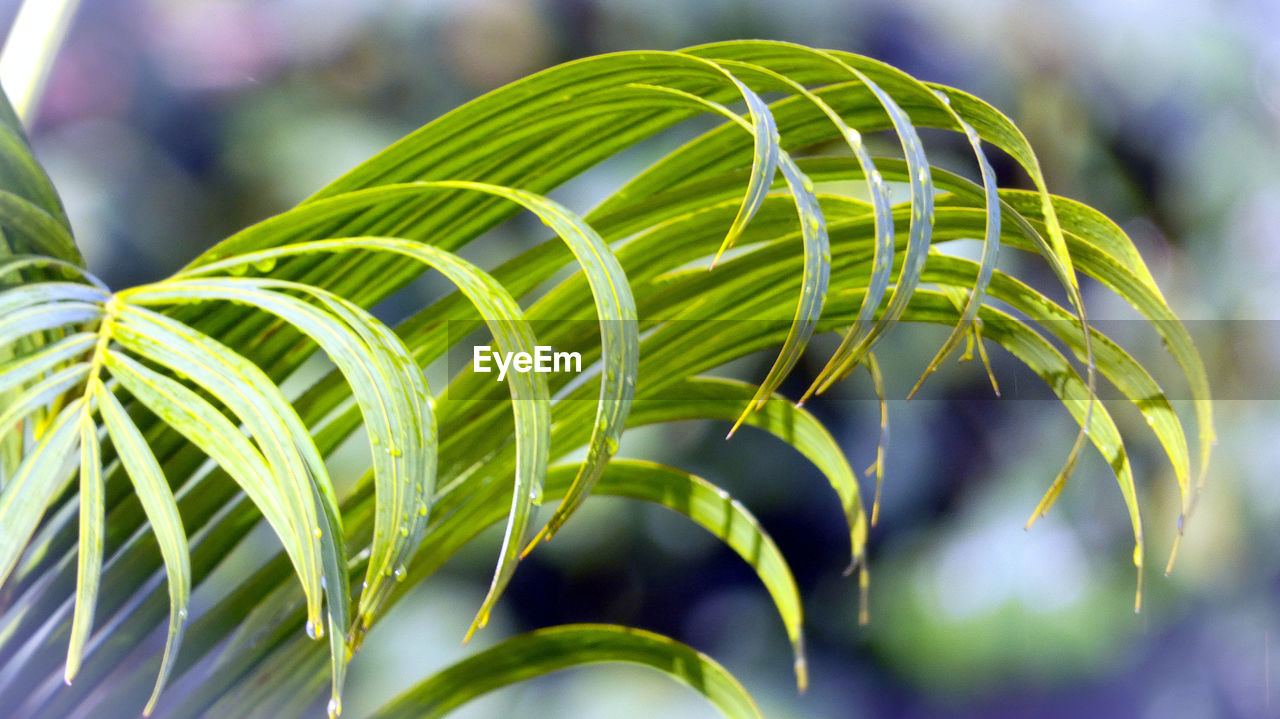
point(168, 124)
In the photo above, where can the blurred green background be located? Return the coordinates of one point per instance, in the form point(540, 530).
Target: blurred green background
point(168, 124)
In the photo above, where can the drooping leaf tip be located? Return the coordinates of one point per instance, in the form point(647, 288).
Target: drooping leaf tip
point(864, 596)
point(802, 673)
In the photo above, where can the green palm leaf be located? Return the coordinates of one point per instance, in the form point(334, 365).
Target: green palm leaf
point(162, 513)
point(190, 369)
point(547, 650)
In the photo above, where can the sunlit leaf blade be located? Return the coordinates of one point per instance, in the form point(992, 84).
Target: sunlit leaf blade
point(45, 293)
point(990, 254)
point(721, 399)
point(877, 190)
point(814, 276)
point(619, 336)
point(854, 346)
point(992, 126)
point(548, 650)
point(1105, 437)
point(21, 370)
point(42, 393)
point(89, 565)
point(930, 105)
point(1029, 347)
point(765, 160)
point(252, 397)
point(714, 510)
point(206, 427)
point(813, 289)
point(24, 322)
point(1086, 234)
point(1120, 268)
point(41, 474)
point(388, 392)
point(505, 320)
point(1114, 363)
point(861, 334)
point(157, 500)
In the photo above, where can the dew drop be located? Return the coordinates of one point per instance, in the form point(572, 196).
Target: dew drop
point(265, 266)
point(404, 531)
point(318, 533)
point(806, 183)
point(854, 137)
point(611, 444)
point(182, 614)
point(394, 452)
point(422, 509)
point(237, 270)
point(334, 707)
point(876, 179)
point(311, 630)
point(400, 573)
point(1151, 420)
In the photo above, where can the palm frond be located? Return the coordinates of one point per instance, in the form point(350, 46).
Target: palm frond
point(185, 375)
point(548, 650)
